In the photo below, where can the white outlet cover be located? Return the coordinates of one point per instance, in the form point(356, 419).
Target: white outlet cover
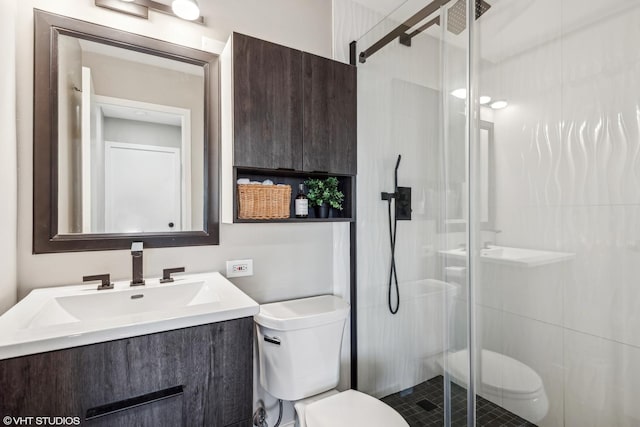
point(240, 268)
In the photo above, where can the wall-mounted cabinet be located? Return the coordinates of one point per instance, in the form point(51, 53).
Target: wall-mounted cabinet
point(285, 114)
point(330, 117)
point(267, 114)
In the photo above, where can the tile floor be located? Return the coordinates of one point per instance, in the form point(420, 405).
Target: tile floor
point(423, 406)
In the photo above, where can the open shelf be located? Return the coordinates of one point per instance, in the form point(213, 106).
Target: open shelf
point(294, 178)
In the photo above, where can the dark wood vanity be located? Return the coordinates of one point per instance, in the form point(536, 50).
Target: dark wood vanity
point(198, 376)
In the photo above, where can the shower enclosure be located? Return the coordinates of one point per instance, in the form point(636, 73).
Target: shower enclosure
point(518, 123)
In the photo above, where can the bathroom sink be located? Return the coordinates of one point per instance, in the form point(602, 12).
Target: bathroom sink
point(61, 317)
point(512, 256)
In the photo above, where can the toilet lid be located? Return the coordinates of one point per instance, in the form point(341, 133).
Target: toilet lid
point(500, 373)
point(352, 408)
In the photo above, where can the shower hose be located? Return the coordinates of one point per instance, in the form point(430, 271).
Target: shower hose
point(393, 276)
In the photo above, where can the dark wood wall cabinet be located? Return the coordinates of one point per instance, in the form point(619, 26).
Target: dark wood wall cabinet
point(329, 118)
point(293, 113)
point(267, 113)
point(198, 376)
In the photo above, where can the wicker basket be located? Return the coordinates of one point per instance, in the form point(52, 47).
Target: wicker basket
point(257, 201)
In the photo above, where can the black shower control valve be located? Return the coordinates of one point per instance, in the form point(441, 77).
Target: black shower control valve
point(403, 204)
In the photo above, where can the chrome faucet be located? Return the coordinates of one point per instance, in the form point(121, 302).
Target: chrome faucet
point(136, 258)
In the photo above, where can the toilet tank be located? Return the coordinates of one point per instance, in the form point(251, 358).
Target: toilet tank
point(299, 345)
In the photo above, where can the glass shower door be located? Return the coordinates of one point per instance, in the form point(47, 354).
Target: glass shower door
point(405, 358)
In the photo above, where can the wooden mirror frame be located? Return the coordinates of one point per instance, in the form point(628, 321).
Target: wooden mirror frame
point(45, 138)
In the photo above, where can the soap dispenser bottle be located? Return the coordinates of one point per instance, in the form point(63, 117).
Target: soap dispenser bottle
point(301, 203)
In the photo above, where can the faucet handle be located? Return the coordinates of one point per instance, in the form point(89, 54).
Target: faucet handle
point(167, 272)
point(104, 278)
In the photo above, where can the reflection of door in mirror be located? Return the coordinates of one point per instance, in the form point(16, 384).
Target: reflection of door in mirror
point(142, 188)
point(457, 191)
point(130, 123)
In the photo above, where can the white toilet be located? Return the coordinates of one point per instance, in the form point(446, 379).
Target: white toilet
point(299, 352)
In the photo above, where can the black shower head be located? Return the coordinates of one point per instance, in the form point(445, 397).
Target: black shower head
point(457, 15)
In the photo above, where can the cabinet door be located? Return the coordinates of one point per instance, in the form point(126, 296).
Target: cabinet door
point(212, 365)
point(267, 81)
point(329, 116)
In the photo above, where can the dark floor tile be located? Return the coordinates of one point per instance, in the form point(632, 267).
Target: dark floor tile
point(410, 404)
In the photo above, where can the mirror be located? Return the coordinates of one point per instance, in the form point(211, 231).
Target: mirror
point(125, 142)
point(457, 190)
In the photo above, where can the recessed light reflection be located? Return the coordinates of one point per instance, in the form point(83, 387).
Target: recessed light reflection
point(499, 105)
point(462, 94)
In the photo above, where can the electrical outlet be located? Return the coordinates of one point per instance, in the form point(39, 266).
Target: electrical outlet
point(240, 268)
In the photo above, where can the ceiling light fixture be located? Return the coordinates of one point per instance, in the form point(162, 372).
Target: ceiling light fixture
point(186, 9)
point(485, 100)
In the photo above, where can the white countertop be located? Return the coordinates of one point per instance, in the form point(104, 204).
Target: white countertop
point(62, 317)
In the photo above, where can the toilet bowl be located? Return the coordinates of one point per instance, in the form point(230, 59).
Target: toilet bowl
point(299, 345)
point(505, 381)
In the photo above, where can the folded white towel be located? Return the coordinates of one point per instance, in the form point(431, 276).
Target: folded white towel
point(267, 182)
point(243, 181)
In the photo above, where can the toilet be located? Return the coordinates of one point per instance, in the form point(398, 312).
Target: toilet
point(299, 345)
point(505, 381)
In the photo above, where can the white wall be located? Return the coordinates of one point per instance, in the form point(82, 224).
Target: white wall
point(567, 179)
point(290, 260)
point(8, 164)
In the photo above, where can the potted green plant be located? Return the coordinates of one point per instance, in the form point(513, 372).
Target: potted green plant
point(324, 194)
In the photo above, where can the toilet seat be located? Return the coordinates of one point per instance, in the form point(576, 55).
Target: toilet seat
point(351, 408)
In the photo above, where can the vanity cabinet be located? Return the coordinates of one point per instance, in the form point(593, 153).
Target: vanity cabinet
point(197, 376)
point(291, 109)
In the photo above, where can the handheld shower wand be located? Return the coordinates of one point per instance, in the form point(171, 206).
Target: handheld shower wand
point(396, 175)
point(402, 199)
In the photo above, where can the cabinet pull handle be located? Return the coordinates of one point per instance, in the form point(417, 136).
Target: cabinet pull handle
point(272, 340)
point(320, 172)
point(285, 169)
point(133, 402)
